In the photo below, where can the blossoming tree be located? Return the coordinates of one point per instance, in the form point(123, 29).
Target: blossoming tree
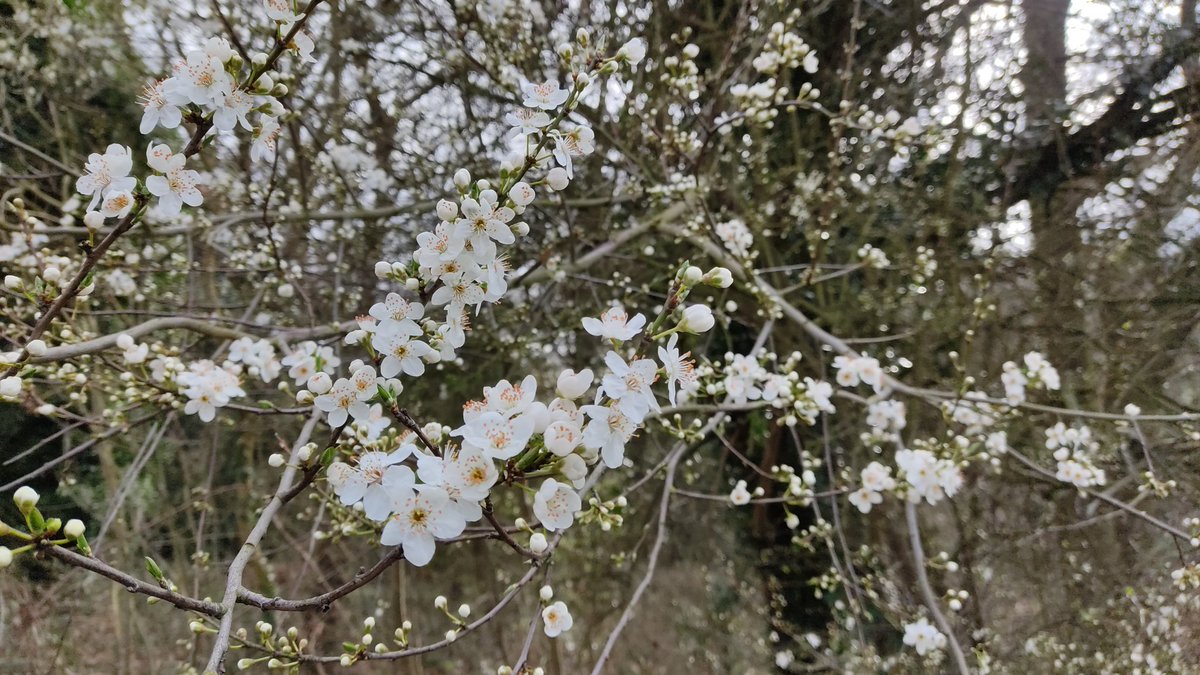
point(372, 305)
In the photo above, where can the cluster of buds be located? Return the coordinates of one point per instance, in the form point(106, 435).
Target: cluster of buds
point(39, 530)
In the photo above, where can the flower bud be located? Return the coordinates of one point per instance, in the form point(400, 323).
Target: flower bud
point(36, 347)
point(265, 82)
point(412, 284)
point(304, 397)
point(447, 210)
point(464, 610)
point(462, 178)
point(697, 319)
point(572, 385)
point(13, 283)
point(320, 383)
point(6, 557)
point(557, 178)
point(26, 498)
point(383, 269)
point(574, 468)
point(346, 661)
point(10, 387)
point(522, 194)
point(562, 437)
point(73, 529)
point(520, 228)
point(285, 290)
point(719, 277)
point(51, 274)
point(692, 275)
point(125, 342)
point(276, 460)
point(538, 543)
point(440, 602)
point(633, 51)
point(93, 219)
point(545, 593)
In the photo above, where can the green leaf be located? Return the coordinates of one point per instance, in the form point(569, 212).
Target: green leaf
point(154, 570)
point(34, 521)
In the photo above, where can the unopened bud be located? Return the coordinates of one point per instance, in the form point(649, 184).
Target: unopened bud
point(74, 528)
point(462, 178)
point(447, 210)
point(26, 498)
point(538, 543)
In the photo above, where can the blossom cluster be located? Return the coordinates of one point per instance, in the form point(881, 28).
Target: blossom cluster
point(1035, 371)
point(784, 49)
point(736, 237)
point(430, 492)
point(506, 433)
point(875, 479)
point(743, 378)
point(206, 86)
point(927, 476)
point(851, 370)
point(1074, 451)
point(886, 416)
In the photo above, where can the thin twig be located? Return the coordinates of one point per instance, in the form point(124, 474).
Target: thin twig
point(131, 584)
point(322, 602)
point(233, 579)
point(931, 600)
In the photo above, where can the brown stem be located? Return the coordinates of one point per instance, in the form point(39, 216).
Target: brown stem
point(131, 584)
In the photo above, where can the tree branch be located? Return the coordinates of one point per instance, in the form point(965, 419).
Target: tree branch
point(131, 584)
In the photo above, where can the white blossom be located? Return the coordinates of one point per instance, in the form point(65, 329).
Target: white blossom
point(555, 504)
point(556, 619)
